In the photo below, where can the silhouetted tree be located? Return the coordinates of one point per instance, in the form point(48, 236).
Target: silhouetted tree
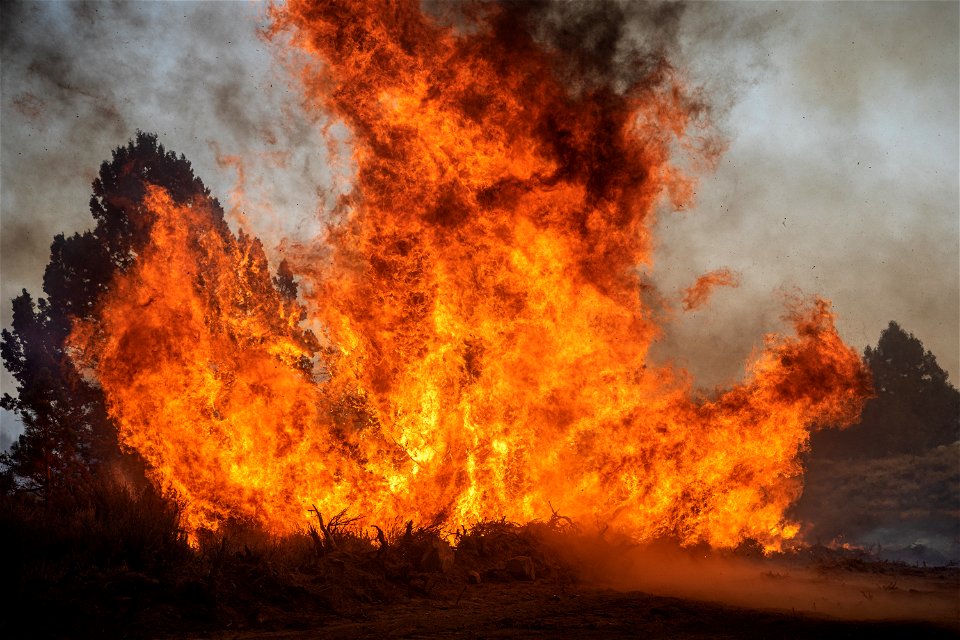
point(123, 222)
point(284, 281)
point(52, 444)
point(67, 433)
point(915, 408)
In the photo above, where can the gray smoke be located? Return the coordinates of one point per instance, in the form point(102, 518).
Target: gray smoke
point(78, 80)
point(840, 179)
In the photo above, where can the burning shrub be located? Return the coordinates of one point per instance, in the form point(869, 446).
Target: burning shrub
point(485, 343)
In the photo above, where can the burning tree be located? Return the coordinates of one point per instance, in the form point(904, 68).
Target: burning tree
point(68, 434)
point(66, 428)
point(484, 348)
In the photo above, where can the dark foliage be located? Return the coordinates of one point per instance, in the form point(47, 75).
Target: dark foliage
point(120, 566)
point(915, 408)
point(67, 434)
point(89, 561)
point(93, 539)
point(892, 482)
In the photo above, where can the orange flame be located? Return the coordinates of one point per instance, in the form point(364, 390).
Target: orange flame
point(486, 343)
point(697, 295)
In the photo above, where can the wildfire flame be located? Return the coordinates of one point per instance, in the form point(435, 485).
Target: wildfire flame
point(484, 349)
point(697, 294)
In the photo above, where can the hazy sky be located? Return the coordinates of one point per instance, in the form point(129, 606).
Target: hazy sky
point(840, 178)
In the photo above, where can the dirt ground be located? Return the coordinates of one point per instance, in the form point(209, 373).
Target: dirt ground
point(500, 581)
point(928, 608)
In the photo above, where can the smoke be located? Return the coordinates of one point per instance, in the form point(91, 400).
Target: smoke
point(840, 176)
point(785, 583)
point(80, 78)
point(607, 44)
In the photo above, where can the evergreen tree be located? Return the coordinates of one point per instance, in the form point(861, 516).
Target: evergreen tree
point(915, 408)
point(66, 430)
point(48, 453)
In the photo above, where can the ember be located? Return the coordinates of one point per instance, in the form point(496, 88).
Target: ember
point(699, 293)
